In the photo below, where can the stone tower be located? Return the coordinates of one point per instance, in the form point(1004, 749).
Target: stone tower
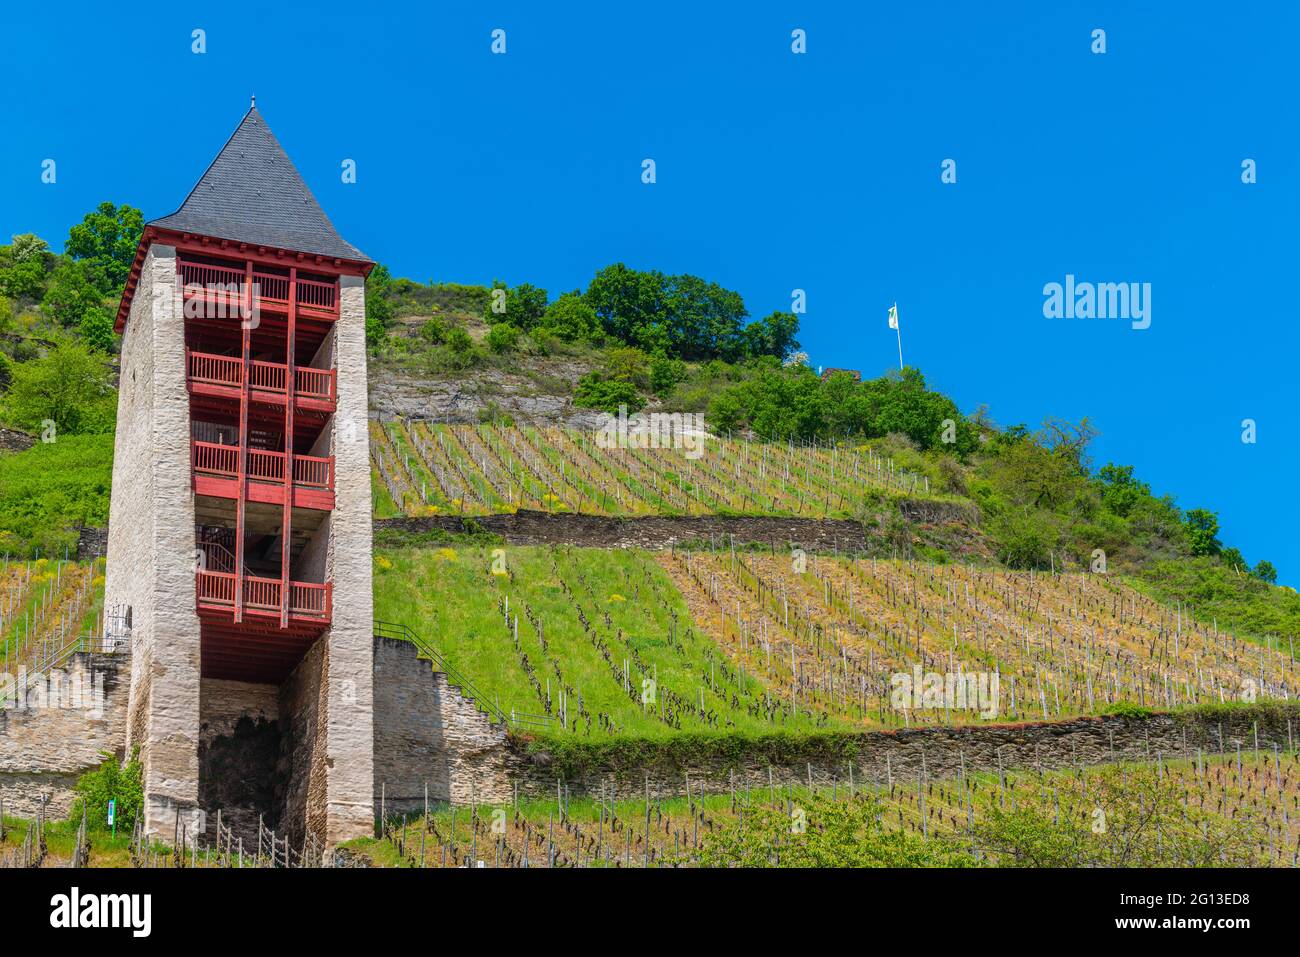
point(239, 557)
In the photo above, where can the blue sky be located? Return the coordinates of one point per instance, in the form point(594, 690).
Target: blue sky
point(775, 172)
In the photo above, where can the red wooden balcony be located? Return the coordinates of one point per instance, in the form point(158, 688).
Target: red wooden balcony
point(308, 602)
point(216, 473)
point(223, 376)
point(223, 286)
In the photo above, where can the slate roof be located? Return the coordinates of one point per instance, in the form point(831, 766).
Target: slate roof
point(252, 193)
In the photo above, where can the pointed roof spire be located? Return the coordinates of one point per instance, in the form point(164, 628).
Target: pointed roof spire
point(252, 193)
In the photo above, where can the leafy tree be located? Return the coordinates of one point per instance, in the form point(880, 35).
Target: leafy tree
point(1202, 526)
point(628, 364)
point(108, 237)
point(597, 392)
point(681, 316)
point(24, 280)
point(1069, 441)
point(665, 373)
point(1233, 558)
point(773, 335)
point(1120, 491)
point(525, 305)
point(379, 308)
point(68, 386)
point(570, 318)
point(72, 292)
point(96, 329)
point(1265, 571)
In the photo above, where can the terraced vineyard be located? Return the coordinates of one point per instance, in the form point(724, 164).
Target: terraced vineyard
point(1196, 810)
point(423, 468)
point(571, 639)
point(45, 605)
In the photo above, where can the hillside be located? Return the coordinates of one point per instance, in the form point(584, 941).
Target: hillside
point(592, 642)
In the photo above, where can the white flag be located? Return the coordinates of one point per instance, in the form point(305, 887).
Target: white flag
point(893, 316)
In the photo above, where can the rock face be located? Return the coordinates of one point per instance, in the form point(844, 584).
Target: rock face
point(11, 440)
point(528, 527)
point(473, 397)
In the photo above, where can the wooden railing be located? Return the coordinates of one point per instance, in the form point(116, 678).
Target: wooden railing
point(309, 382)
point(310, 471)
point(306, 599)
point(226, 284)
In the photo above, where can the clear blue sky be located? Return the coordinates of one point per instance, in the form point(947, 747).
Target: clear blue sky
point(775, 172)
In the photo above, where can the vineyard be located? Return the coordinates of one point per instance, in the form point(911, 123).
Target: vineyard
point(423, 468)
point(1194, 810)
point(45, 606)
point(592, 642)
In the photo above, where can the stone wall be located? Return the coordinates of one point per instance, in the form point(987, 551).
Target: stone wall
point(304, 703)
point(878, 756)
point(150, 568)
point(44, 749)
point(527, 527)
point(91, 543)
point(240, 754)
point(348, 719)
point(427, 734)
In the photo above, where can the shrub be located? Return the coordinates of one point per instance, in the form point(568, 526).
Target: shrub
point(111, 781)
point(595, 392)
point(502, 337)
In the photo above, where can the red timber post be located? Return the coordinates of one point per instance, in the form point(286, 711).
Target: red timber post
point(245, 321)
point(290, 390)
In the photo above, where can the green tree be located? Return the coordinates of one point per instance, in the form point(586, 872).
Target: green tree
point(72, 292)
point(597, 392)
point(665, 373)
point(23, 267)
point(1120, 491)
point(108, 237)
point(96, 329)
point(379, 307)
point(1265, 571)
point(773, 335)
point(1202, 528)
point(68, 387)
point(570, 318)
point(525, 305)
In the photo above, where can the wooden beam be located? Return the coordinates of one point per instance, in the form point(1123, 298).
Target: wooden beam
point(290, 387)
point(242, 494)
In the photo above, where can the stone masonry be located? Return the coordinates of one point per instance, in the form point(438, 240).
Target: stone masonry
point(150, 571)
point(48, 740)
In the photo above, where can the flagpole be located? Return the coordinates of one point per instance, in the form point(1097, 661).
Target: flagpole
point(899, 330)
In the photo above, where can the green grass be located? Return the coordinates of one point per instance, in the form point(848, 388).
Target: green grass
point(1238, 602)
point(48, 490)
point(451, 598)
